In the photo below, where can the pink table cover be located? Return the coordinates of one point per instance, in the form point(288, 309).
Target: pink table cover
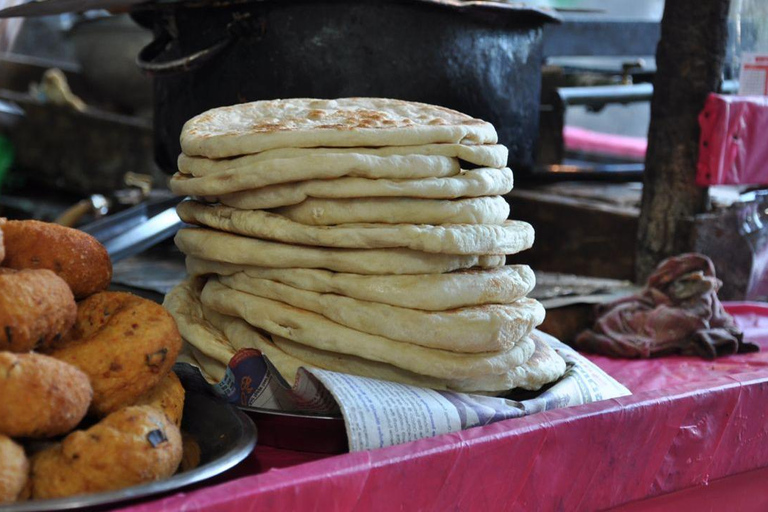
point(693, 432)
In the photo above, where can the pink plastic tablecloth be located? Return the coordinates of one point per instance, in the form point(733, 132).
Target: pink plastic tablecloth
point(693, 433)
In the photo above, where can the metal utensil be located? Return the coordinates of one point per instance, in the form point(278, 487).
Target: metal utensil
point(51, 7)
point(138, 228)
point(144, 236)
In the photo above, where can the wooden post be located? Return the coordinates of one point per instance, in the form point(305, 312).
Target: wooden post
point(689, 65)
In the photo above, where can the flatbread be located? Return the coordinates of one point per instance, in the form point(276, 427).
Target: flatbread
point(429, 292)
point(213, 371)
point(320, 166)
point(319, 332)
point(242, 335)
point(287, 356)
point(487, 328)
point(508, 238)
point(304, 158)
point(183, 303)
point(327, 167)
point(398, 210)
point(348, 122)
point(544, 366)
point(479, 182)
point(353, 365)
point(214, 245)
point(215, 338)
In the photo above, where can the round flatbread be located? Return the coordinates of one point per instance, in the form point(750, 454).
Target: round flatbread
point(214, 338)
point(508, 238)
point(492, 155)
point(324, 167)
point(430, 292)
point(287, 356)
point(347, 122)
point(479, 182)
point(397, 210)
point(319, 332)
point(487, 328)
point(544, 366)
point(183, 303)
point(214, 245)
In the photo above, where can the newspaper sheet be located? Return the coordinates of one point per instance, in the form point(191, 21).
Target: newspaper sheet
point(378, 413)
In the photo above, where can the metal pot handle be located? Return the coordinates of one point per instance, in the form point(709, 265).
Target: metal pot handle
point(242, 25)
point(146, 58)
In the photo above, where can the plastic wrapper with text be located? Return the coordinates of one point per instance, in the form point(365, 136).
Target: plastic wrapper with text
point(378, 413)
point(732, 148)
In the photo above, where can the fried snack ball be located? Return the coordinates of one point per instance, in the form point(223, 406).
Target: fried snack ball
point(36, 309)
point(76, 257)
point(40, 396)
point(132, 446)
point(14, 469)
point(168, 396)
point(124, 343)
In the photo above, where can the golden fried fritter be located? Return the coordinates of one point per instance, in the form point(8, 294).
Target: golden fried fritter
point(40, 396)
point(36, 309)
point(132, 446)
point(168, 396)
point(76, 257)
point(124, 343)
point(14, 470)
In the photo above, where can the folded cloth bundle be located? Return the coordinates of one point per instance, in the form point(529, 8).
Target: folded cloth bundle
point(677, 312)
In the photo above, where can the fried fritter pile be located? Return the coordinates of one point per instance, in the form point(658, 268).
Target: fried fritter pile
point(108, 357)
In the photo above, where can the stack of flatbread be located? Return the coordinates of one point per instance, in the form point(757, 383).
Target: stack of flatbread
point(360, 235)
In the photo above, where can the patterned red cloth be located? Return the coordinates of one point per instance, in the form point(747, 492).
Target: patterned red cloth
point(677, 312)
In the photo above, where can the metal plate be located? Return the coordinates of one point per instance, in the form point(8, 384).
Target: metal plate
point(300, 431)
point(226, 436)
point(292, 414)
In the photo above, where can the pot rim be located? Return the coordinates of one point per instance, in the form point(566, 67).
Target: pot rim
point(540, 15)
point(537, 14)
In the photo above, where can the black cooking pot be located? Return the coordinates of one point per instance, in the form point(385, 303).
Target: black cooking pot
point(482, 58)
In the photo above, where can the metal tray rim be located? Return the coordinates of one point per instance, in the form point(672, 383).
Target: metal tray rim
point(237, 453)
point(290, 414)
